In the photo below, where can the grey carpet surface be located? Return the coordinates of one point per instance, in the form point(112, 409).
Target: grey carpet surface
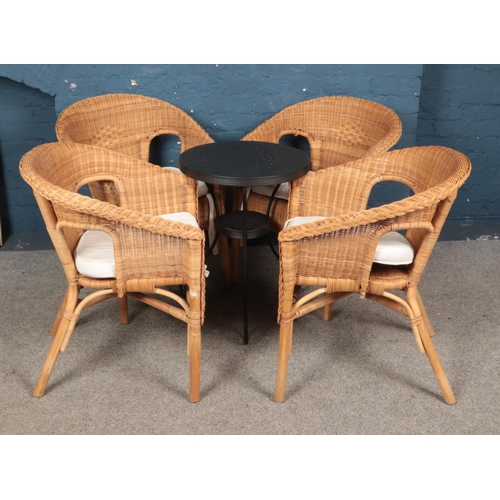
point(360, 373)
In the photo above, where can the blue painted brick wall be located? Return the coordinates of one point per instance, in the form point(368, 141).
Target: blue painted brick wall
point(460, 108)
point(27, 119)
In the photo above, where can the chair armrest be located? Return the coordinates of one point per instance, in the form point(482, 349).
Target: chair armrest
point(158, 191)
point(146, 246)
point(343, 247)
point(330, 191)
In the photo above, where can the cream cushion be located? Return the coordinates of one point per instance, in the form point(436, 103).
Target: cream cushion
point(94, 255)
point(282, 192)
point(203, 191)
point(393, 248)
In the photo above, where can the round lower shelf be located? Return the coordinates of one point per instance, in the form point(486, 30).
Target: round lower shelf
point(230, 224)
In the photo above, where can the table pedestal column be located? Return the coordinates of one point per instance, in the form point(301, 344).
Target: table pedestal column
point(244, 225)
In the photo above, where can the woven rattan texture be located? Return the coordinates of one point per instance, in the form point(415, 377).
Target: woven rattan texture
point(338, 129)
point(127, 123)
point(336, 254)
point(150, 252)
point(57, 171)
point(343, 245)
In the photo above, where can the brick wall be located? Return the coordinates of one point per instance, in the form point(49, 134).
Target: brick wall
point(27, 119)
point(460, 108)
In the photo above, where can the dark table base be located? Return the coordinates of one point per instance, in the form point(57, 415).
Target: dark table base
point(231, 224)
point(243, 225)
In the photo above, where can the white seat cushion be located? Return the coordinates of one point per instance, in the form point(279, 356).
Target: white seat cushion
point(282, 192)
point(202, 187)
point(203, 191)
point(94, 255)
point(297, 221)
point(393, 248)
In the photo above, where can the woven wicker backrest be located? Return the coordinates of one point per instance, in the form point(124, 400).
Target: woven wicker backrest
point(146, 247)
point(127, 123)
point(348, 188)
point(339, 129)
point(340, 248)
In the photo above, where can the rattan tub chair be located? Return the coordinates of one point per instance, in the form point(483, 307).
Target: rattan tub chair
point(337, 130)
point(149, 240)
point(333, 243)
point(128, 123)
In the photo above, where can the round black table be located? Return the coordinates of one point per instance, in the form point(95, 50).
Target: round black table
point(244, 164)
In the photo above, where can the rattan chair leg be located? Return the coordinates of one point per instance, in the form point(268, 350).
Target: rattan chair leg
point(327, 312)
point(194, 335)
point(416, 306)
point(225, 260)
point(423, 312)
point(408, 308)
point(438, 369)
point(51, 359)
point(194, 344)
point(290, 340)
point(123, 310)
point(285, 343)
point(430, 350)
point(71, 299)
point(60, 313)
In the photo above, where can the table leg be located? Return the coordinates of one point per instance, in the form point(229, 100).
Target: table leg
point(217, 214)
point(245, 301)
point(268, 212)
point(270, 243)
point(243, 225)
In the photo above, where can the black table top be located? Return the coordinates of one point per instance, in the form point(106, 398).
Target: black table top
point(244, 163)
